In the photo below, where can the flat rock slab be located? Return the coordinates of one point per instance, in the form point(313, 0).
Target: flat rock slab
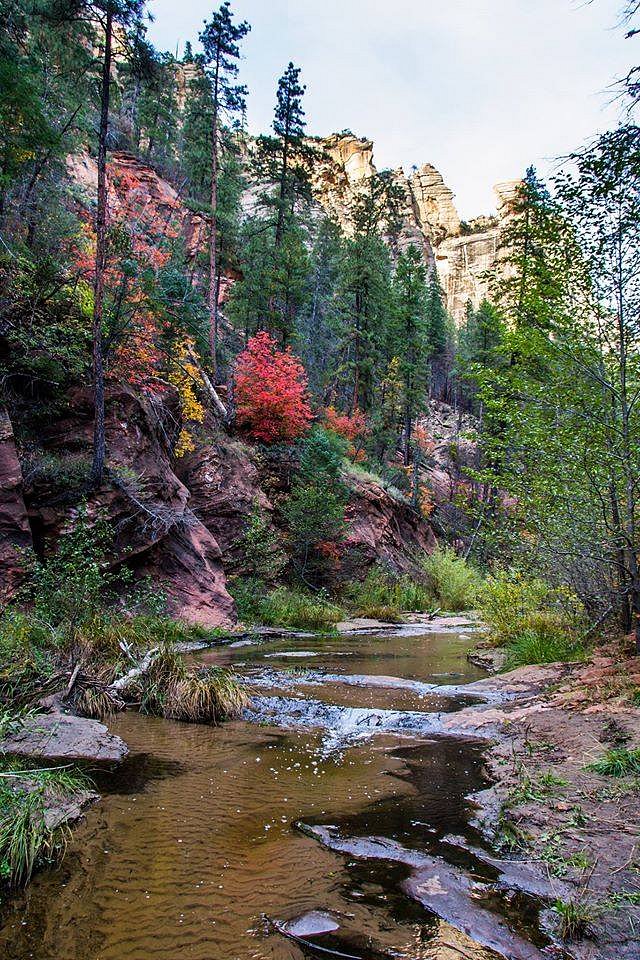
point(443, 889)
point(310, 924)
point(365, 625)
point(58, 736)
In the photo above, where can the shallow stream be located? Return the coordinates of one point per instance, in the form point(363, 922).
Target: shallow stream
point(196, 851)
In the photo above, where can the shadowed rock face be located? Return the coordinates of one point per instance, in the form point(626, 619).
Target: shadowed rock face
point(15, 532)
point(382, 528)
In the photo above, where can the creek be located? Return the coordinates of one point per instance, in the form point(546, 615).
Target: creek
point(208, 841)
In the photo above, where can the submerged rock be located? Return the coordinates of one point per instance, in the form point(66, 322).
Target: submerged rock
point(310, 924)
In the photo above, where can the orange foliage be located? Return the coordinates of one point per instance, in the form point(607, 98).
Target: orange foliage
point(352, 427)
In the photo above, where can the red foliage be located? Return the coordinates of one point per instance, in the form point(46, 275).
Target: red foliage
point(352, 427)
point(271, 392)
point(147, 219)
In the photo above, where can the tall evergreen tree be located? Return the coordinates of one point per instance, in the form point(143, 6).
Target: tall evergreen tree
point(283, 159)
point(220, 39)
point(411, 338)
point(126, 15)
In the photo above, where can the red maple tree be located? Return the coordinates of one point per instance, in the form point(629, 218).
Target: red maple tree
point(271, 392)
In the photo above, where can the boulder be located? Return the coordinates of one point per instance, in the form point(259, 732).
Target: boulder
point(58, 736)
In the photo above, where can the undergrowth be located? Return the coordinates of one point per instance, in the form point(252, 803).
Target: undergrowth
point(383, 595)
point(285, 606)
point(532, 621)
point(617, 762)
point(453, 582)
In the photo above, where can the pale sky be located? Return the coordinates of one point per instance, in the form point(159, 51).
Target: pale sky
point(478, 88)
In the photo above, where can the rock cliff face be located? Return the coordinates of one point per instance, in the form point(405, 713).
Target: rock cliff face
point(177, 522)
point(156, 531)
point(15, 532)
point(465, 260)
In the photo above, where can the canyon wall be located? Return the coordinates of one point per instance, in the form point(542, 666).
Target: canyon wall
point(465, 255)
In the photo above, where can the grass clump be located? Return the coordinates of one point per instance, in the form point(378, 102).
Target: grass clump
point(575, 918)
point(536, 646)
point(295, 608)
point(383, 595)
point(29, 836)
point(454, 584)
point(208, 695)
point(618, 762)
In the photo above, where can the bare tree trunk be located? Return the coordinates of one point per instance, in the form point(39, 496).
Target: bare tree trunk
point(627, 458)
point(99, 441)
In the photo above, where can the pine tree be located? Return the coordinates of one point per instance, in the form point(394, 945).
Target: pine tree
point(439, 326)
point(528, 292)
point(365, 311)
point(220, 39)
point(411, 336)
point(283, 159)
point(196, 141)
point(317, 324)
point(126, 14)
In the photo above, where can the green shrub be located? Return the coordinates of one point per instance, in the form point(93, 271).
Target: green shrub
point(248, 594)
point(74, 584)
point(27, 657)
point(315, 508)
point(535, 622)
point(454, 583)
point(262, 555)
point(383, 595)
point(284, 606)
point(618, 762)
point(288, 607)
point(507, 600)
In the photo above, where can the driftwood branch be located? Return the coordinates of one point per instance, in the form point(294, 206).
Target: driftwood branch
point(210, 389)
point(122, 684)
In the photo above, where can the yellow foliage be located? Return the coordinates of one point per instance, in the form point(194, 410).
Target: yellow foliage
point(185, 377)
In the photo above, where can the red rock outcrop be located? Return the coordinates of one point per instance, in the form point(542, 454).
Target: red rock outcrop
point(225, 486)
point(147, 505)
point(383, 529)
point(139, 195)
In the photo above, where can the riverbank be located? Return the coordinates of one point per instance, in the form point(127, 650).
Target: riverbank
point(565, 767)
